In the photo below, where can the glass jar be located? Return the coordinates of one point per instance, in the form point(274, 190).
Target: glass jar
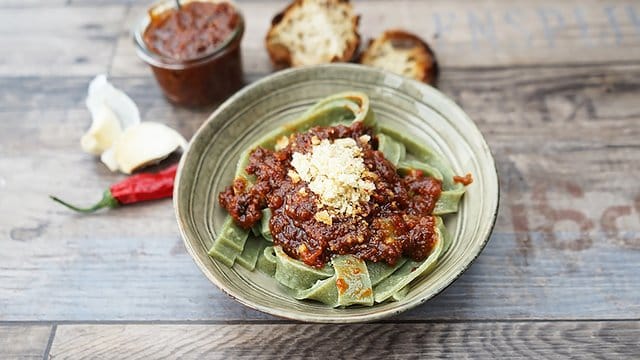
point(206, 79)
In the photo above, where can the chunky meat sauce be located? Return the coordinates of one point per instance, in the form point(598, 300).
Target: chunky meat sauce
point(396, 221)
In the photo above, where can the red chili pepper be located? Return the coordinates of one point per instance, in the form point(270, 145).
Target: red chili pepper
point(136, 188)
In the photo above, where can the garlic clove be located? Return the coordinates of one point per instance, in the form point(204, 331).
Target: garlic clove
point(109, 159)
point(102, 93)
point(144, 144)
point(112, 111)
point(117, 135)
point(104, 130)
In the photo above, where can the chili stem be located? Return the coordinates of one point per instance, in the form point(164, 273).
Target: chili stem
point(107, 201)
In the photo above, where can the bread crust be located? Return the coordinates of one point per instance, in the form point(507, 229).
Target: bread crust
point(281, 56)
point(425, 59)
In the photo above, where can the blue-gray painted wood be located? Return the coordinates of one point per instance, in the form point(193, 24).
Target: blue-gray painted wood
point(139, 279)
point(24, 341)
point(509, 340)
point(567, 241)
point(130, 263)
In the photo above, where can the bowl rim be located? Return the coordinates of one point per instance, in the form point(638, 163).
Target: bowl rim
point(347, 318)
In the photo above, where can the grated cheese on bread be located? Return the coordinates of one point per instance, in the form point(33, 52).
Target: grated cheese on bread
point(402, 53)
point(310, 32)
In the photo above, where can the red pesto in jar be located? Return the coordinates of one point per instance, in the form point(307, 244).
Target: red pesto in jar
point(194, 30)
point(194, 51)
point(396, 220)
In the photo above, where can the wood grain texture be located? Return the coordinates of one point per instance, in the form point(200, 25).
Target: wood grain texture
point(462, 33)
point(552, 85)
point(566, 244)
point(603, 340)
point(87, 37)
point(58, 40)
point(24, 341)
point(31, 3)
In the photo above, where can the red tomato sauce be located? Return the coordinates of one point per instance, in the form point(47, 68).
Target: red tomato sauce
point(464, 180)
point(396, 221)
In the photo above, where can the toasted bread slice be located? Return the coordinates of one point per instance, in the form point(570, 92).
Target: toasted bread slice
point(310, 32)
point(402, 53)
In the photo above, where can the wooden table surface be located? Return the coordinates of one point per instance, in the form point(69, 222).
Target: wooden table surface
point(553, 85)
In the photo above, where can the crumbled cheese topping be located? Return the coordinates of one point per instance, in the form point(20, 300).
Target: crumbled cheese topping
point(335, 171)
point(295, 178)
point(323, 216)
point(281, 143)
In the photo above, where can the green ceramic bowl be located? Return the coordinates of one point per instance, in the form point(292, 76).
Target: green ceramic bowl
point(209, 163)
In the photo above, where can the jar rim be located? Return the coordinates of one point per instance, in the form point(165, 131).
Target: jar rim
point(155, 59)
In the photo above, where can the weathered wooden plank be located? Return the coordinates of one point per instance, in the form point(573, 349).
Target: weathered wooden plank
point(463, 33)
point(46, 93)
point(494, 33)
point(24, 341)
point(78, 39)
point(58, 40)
point(452, 340)
point(566, 243)
point(25, 3)
point(140, 277)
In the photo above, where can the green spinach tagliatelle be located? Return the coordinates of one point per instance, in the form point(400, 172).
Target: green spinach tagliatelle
point(346, 280)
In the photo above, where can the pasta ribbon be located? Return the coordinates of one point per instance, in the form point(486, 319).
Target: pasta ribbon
point(352, 281)
point(264, 225)
point(267, 261)
point(406, 166)
point(381, 270)
point(349, 285)
point(253, 248)
point(295, 274)
point(324, 291)
point(230, 242)
point(393, 151)
point(451, 190)
point(409, 271)
point(401, 294)
point(358, 104)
